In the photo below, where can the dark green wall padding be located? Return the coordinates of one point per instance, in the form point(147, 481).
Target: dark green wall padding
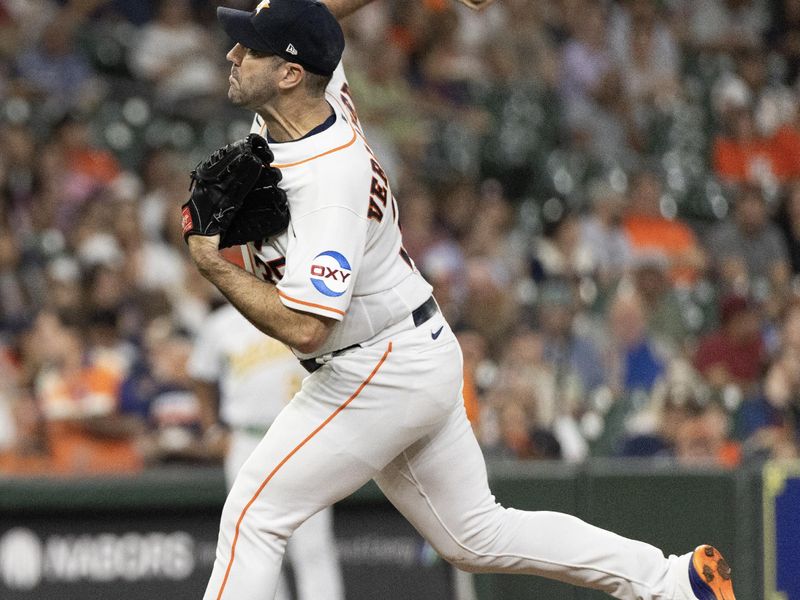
point(672, 508)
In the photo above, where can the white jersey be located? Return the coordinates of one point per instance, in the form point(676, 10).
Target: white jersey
point(344, 224)
point(257, 375)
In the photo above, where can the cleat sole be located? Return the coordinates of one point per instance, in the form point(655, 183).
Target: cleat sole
point(710, 575)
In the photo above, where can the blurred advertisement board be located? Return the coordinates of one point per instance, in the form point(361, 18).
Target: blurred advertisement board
point(144, 555)
point(781, 530)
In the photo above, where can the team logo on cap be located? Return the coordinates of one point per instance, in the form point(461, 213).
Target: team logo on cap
point(330, 273)
point(262, 4)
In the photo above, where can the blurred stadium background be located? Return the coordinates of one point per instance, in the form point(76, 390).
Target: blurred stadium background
point(605, 194)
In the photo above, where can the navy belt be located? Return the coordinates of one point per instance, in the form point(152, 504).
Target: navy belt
point(419, 315)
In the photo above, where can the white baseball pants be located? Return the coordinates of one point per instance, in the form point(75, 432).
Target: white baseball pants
point(392, 411)
point(311, 550)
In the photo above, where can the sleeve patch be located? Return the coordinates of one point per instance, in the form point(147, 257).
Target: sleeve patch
point(330, 273)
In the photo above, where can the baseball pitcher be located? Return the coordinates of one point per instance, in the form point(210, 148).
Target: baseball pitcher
point(330, 278)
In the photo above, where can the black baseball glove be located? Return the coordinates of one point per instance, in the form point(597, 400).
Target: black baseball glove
point(235, 193)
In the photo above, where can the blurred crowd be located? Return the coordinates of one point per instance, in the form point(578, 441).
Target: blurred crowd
point(605, 195)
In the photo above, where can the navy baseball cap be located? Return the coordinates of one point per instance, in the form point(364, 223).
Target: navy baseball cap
point(299, 31)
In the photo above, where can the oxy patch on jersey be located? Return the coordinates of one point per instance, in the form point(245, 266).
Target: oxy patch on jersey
point(330, 273)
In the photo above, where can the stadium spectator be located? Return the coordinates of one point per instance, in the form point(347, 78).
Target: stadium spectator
point(735, 353)
point(701, 437)
point(601, 231)
point(595, 106)
point(665, 315)
point(421, 230)
point(162, 170)
point(522, 436)
point(159, 396)
point(151, 262)
point(85, 170)
point(635, 361)
point(527, 413)
point(782, 381)
point(562, 252)
point(648, 57)
point(17, 174)
point(724, 26)
point(447, 68)
point(651, 423)
point(586, 58)
point(390, 108)
point(75, 391)
point(775, 104)
point(685, 422)
point(81, 157)
point(572, 355)
point(744, 155)
point(523, 366)
point(748, 249)
point(434, 251)
point(491, 237)
point(54, 71)
point(490, 307)
point(649, 230)
point(179, 57)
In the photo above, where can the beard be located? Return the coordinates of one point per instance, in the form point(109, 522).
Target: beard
point(251, 93)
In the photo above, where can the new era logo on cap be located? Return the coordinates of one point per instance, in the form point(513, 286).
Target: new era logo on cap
point(291, 50)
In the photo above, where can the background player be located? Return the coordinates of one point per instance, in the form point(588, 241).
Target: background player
point(251, 377)
point(383, 400)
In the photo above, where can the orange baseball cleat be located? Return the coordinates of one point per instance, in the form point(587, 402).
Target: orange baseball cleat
point(710, 575)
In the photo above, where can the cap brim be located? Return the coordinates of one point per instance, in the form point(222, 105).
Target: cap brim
point(240, 29)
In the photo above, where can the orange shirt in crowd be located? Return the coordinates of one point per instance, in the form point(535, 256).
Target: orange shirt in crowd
point(75, 452)
point(66, 400)
point(745, 161)
point(97, 165)
point(671, 238)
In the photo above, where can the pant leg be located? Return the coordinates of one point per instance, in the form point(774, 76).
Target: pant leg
point(311, 549)
point(440, 485)
point(282, 484)
point(312, 552)
point(348, 421)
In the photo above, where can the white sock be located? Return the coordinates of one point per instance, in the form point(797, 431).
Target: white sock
point(679, 568)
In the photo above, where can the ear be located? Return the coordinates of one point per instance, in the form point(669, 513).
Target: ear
point(293, 76)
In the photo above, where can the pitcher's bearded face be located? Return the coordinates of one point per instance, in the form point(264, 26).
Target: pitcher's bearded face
point(253, 79)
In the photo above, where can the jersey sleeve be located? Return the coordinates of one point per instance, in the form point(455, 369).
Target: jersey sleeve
point(325, 252)
point(205, 360)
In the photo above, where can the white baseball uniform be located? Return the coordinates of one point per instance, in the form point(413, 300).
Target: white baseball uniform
point(389, 409)
point(257, 376)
